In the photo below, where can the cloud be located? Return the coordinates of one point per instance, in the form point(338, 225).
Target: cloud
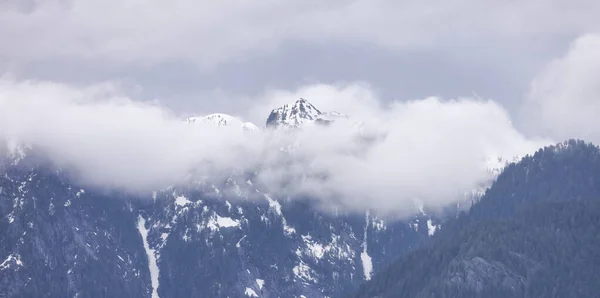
point(564, 99)
point(428, 149)
point(208, 33)
point(111, 140)
point(433, 150)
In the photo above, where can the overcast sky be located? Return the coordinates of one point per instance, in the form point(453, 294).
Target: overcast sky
point(195, 56)
point(99, 83)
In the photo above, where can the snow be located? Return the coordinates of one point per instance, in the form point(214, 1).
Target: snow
point(496, 164)
point(260, 283)
point(273, 204)
point(227, 222)
point(238, 244)
point(303, 272)
point(335, 248)
point(164, 236)
point(16, 151)
point(216, 222)
point(367, 264)
point(11, 260)
point(222, 120)
point(431, 228)
point(250, 293)
point(248, 126)
point(182, 201)
point(314, 249)
point(51, 208)
point(152, 266)
point(364, 256)
point(415, 225)
point(295, 115)
point(276, 207)
point(287, 229)
point(378, 224)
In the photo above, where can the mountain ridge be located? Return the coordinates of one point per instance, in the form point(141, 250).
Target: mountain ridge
point(521, 239)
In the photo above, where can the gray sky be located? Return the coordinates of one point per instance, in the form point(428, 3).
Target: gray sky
point(196, 55)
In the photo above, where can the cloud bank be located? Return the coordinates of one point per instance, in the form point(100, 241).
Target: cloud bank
point(213, 32)
point(564, 100)
point(429, 149)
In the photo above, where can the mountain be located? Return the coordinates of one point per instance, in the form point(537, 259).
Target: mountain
point(60, 239)
point(222, 120)
point(293, 115)
point(300, 113)
point(535, 233)
point(211, 238)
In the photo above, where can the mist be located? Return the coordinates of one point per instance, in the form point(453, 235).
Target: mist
point(384, 156)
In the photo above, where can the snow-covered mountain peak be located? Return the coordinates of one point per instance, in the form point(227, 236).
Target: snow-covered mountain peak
point(293, 115)
point(222, 120)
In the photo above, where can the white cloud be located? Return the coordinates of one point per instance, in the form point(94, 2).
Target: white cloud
point(212, 32)
point(112, 140)
point(434, 149)
point(564, 100)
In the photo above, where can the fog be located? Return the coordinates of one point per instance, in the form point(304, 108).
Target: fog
point(384, 156)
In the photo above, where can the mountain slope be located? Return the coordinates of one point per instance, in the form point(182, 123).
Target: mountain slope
point(60, 239)
point(535, 233)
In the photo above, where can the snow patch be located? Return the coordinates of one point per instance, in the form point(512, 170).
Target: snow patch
point(431, 228)
point(238, 244)
point(13, 260)
point(415, 225)
point(250, 293)
point(227, 222)
point(378, 224)
point(216, 222)
point(364, 256)
point(303, 272)
point(314, 249)
point(182, 201)
point(260, 283)
point(164, 237)
point(276, 207)
point(151, 257)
